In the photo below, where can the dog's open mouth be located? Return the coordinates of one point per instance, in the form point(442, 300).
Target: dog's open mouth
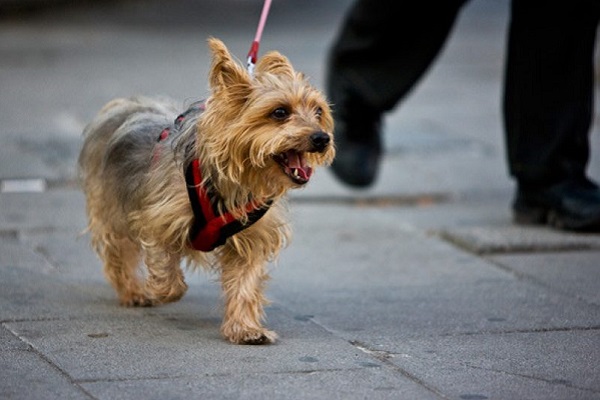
point(294, 165)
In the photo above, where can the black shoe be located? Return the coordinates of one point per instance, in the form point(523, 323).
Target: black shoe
point(571, 205)
point(358, 149)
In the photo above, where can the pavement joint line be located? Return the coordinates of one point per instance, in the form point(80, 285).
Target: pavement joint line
point(18, 233)
point(42, 356)
point(537, 378)
point(138, 379)
point(63, 183)
point(529, 278)
point(221, 374)
point(9, 234)
point(384, 357)
point(45, 254)
point(465, 245)
point(378, 354)
point(40, 319)
point(417, 200)
point(519, 331)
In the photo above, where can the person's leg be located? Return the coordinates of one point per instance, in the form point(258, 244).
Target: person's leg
point(382, 49)
point(548, 104)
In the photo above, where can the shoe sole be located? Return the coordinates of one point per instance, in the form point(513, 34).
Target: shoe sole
point(542, 216)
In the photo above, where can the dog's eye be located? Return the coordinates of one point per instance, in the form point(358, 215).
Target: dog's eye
point(319, 112)
point(280, 114)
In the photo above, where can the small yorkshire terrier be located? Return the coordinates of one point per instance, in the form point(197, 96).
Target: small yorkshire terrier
point(206, 186)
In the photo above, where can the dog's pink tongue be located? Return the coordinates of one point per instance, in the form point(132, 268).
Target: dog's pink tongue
point(296, 161)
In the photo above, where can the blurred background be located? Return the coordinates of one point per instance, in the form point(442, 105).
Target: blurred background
point(60, 61)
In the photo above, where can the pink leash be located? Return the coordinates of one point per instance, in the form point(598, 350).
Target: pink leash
point(253, 53)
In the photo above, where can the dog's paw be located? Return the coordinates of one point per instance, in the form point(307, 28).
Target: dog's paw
point(258, 338)
point(252, 337)
point(137, 300)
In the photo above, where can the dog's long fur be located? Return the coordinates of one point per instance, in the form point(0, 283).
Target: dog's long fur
point(137, 200)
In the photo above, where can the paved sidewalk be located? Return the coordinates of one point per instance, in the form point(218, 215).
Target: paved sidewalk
point(420, 288)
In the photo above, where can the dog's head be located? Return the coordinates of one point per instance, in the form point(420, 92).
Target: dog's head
point(267, 131)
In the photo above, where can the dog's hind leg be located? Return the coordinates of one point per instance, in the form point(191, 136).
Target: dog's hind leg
point(121, 268)
point(165, 282)
point(243, 284)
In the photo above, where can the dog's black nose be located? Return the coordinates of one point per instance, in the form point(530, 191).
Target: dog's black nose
point(319, 140)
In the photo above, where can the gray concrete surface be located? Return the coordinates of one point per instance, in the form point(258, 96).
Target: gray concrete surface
point(420, 288)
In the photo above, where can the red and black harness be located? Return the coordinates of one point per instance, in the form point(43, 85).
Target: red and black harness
point(213, 224)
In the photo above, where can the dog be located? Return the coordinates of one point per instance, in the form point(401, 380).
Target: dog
point(206, 187)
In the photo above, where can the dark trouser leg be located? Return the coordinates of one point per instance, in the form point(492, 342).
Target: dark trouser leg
point(383, 48)
point(548, 109)
point(548, 98)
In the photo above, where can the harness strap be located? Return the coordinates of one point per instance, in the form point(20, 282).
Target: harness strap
point(211, 228)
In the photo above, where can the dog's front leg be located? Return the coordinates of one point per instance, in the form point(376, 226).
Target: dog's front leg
point(243, 280)
point(165, 282)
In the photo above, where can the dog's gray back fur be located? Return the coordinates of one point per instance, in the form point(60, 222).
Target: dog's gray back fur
point(119, 143)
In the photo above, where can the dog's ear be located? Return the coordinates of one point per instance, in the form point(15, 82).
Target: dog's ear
point(225, 72)
point(275, 63)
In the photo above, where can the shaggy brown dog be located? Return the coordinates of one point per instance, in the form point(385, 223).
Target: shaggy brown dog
point(206, 188)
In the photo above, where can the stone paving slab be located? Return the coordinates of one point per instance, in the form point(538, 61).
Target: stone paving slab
point(35, 296)
point(369, 383)
point(511, 365)
point(68, 251)
point(51, 156)
point(42, 212)
point(411, 284)
point(27, 376)
point(8, 341)
point(517, 239)
point(574, 273)
point(99, 353)
point(421, 288)
point(24, 166)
